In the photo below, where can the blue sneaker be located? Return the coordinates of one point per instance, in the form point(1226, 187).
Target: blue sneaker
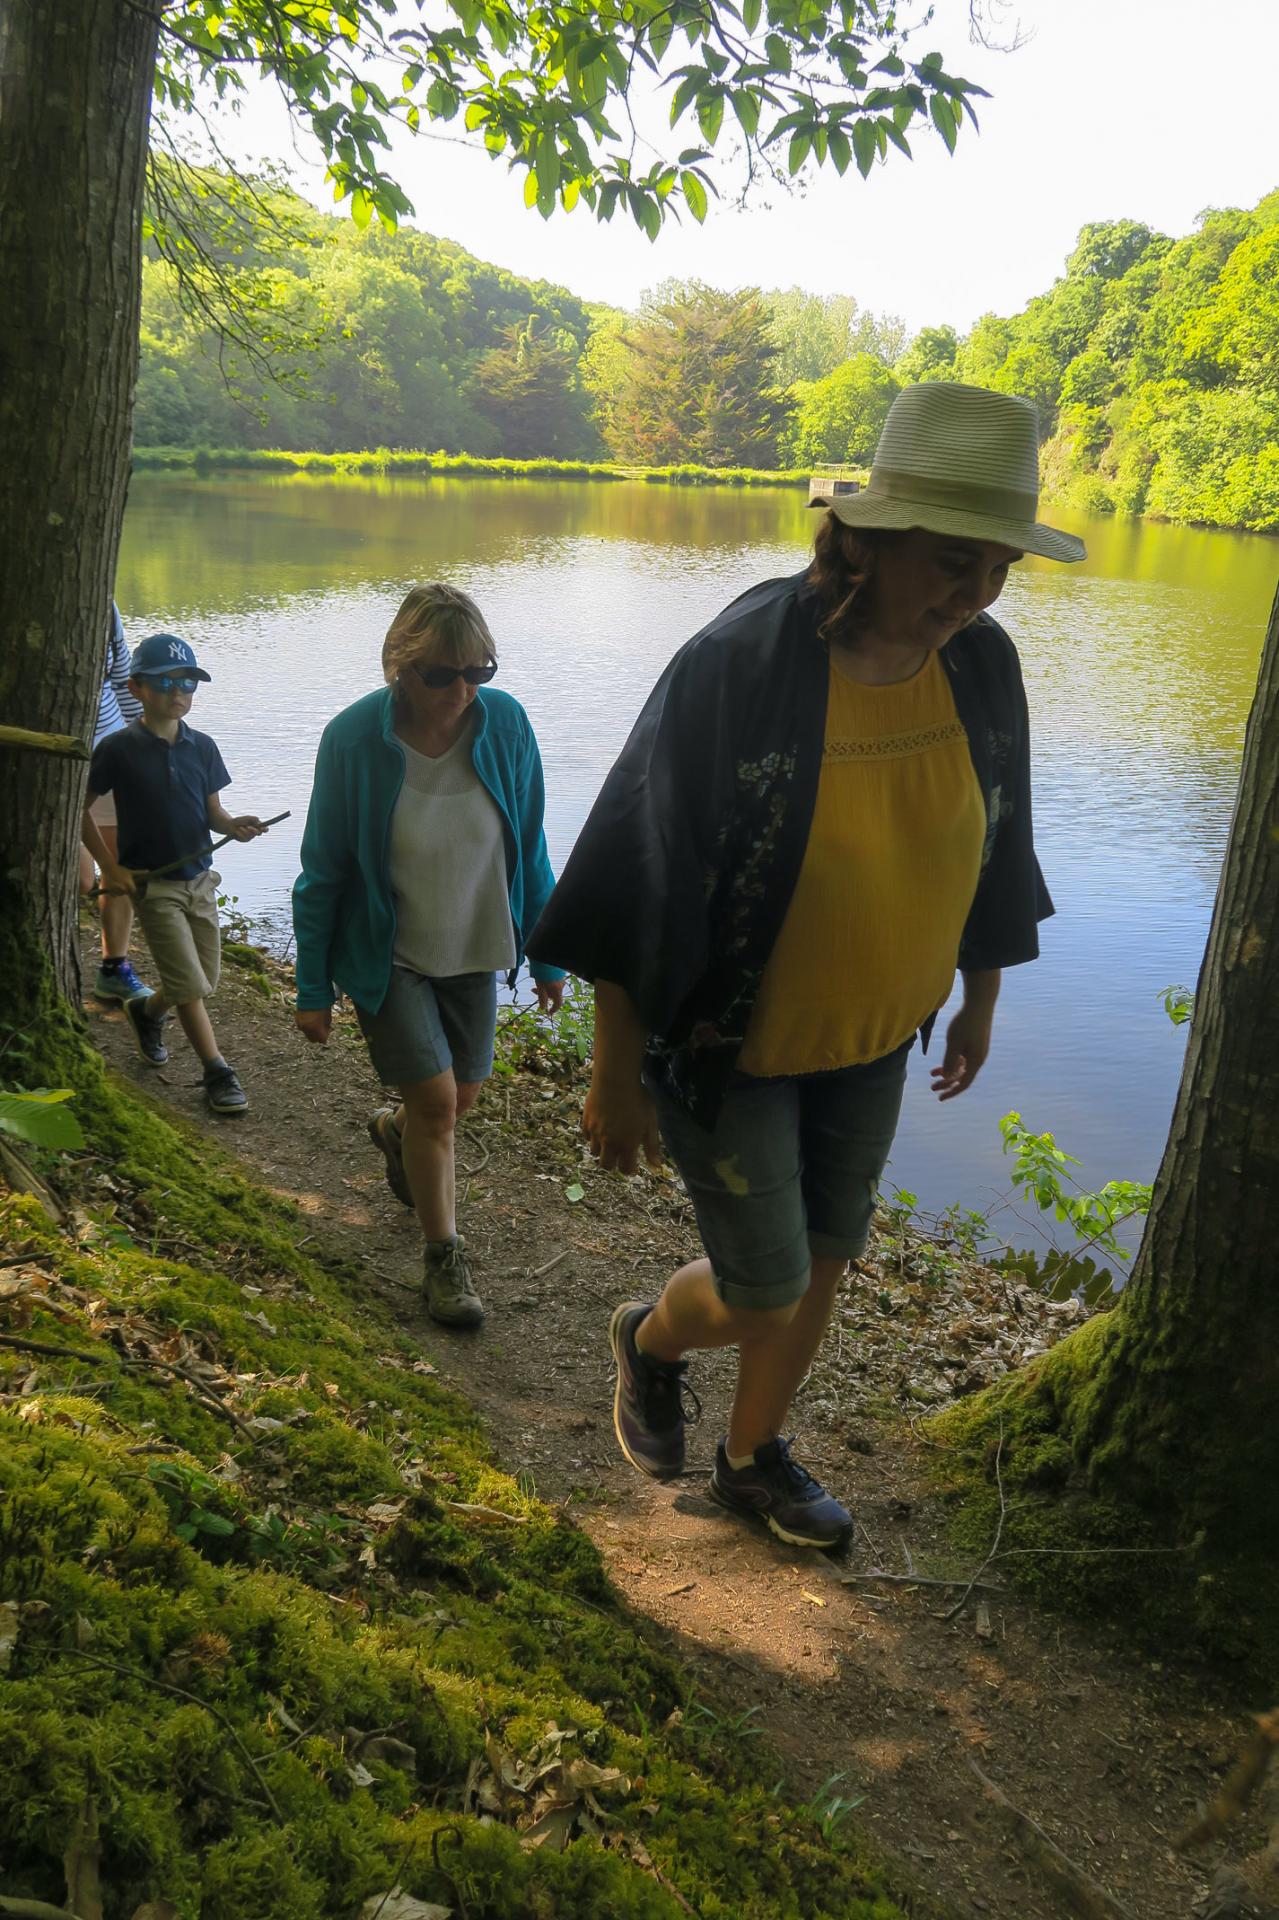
point(650, 1403)
point(119, 982)
point(777, 1490)
point(148, 1031)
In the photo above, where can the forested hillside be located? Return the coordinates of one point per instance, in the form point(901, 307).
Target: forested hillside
point(1154, 362)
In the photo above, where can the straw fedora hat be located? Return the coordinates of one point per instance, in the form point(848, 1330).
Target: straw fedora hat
point(959, 460)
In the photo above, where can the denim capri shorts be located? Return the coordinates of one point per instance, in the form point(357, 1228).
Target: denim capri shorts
point(424, 1027)
point(790, 1170)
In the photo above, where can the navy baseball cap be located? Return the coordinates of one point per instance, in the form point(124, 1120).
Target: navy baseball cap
point(164, 653)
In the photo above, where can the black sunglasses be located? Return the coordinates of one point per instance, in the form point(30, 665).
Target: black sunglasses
point(441, 677)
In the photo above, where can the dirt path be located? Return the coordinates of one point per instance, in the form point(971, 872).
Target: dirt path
point(870, 1684)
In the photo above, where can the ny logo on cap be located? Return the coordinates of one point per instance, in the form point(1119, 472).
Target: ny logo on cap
point(177, 651)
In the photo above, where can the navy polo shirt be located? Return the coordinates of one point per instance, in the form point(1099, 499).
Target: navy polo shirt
point(161, 794)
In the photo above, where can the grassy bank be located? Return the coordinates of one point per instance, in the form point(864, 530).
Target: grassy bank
point(276, 1634)
point(452, 466)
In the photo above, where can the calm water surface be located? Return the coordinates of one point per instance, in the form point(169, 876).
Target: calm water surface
point(1140, 666)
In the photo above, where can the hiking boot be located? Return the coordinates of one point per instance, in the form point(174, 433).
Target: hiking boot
point(223, 1091)
point(148, 1031)
point(650, 1403)
point(776, 1489)
point(385, 1136)
point(119, 982)
point(446, 1284)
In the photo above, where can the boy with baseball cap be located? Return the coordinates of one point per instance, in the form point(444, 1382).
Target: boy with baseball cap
point(166, 779)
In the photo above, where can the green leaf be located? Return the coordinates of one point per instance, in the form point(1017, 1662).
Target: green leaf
point(751, 10)
point(944, 119)
point(39, 1118)
point(361, 208)
point(476, 114)
point(777, 53)
point(212, 1522)
point(800, 147)
point(694, 196)
point(840, 151)
point(865, 145)
point(710, 116)
point(746, 107)
point(530, 188)
point(575, 1193)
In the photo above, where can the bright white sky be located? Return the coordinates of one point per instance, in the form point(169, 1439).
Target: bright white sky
point(1150, 109)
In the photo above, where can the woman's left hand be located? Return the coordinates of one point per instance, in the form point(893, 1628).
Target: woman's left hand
point(550, 995)
point(967, 1044)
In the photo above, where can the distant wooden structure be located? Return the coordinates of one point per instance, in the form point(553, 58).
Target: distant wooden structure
point(832, 481)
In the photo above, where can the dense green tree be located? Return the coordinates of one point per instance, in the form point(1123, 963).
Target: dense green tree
point(930, 356)
point(813, 333)
point(698, 381)
point(837, 420)
point(527, 388)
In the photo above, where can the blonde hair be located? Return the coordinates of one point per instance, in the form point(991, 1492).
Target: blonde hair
point(437, 623)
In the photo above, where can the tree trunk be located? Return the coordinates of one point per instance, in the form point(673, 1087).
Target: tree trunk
point(75, 101)
point(1183, 1411)
point(1166, 1407)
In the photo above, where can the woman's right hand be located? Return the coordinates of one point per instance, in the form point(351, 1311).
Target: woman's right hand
point(316, 1023)
point(620, 1122)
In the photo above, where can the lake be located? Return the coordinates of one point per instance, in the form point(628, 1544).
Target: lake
point(1140, 666)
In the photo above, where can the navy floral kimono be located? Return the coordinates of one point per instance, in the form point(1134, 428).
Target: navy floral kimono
point(680, 879)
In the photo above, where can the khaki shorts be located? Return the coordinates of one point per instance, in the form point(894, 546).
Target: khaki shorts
point(102, 812)
point(180, 921)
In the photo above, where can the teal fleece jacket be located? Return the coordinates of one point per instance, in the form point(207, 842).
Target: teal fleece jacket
point(343, 907)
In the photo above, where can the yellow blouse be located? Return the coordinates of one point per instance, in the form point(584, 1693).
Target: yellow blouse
point(869, 943)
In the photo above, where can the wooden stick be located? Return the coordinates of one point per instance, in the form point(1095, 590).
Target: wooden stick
point(158, 873)
point(1083, 1895)
point(67, 746)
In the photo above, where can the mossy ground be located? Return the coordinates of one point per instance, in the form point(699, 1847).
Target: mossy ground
point(211, 1625)
point(1072, 1536)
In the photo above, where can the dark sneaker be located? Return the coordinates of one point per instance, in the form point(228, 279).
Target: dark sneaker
point(148, 1031)
point(651, 1402)
point(385, 1136)
point(777, 1490)
point(223, 1091)
point(446, 1284)
point(119, 983)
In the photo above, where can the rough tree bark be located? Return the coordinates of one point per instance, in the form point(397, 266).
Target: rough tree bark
point(75, 103)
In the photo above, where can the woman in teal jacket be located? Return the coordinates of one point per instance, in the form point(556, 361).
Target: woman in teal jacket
point(424, 867)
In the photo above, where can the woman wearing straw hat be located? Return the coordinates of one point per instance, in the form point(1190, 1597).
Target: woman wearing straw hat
point(822, 811)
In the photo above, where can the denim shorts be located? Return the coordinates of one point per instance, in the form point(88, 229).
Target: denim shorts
point(790, 1170)
point(424, 1027)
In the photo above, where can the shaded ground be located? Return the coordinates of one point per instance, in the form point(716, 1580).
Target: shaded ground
point(867, 1690)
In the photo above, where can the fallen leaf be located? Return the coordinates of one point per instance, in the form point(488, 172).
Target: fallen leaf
point(815, 1598)
point(398, 1905)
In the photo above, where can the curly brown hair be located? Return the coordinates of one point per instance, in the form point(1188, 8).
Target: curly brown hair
point(843, 567)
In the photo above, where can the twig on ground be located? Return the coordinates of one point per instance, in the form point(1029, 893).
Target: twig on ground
point(486, 1513)
point(58, 1353)
point(877, 1579)
point(962, 1601)
point(546, 1267)
point(486, 1151)
point(1083, 1895)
